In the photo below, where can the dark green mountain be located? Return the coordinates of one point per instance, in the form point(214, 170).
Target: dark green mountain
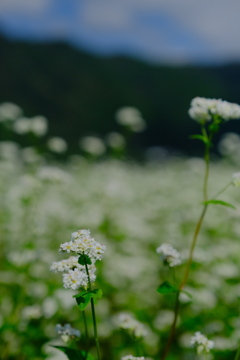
point(79, 93)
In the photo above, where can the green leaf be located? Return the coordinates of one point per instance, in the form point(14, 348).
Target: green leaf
point(200, 137)
point(84, 260)
point(83, 301)
point(97, 293)
point(72, 354)
point(83, 298)
point(219, 202)
point(167, 288)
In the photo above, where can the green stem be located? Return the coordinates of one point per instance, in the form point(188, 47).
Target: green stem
point(237, 357)
point(86, 332)
point(221, 191)
point(193, 244)
point(93, 316)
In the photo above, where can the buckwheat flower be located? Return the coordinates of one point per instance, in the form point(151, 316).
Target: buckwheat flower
point(92, 145)
point(9, 111)
point(131, 117)
point(203, 110)
point(169, 255)
point(236, 179)
point(39, 125)
point(75, 279)
point(57, 145)
point(130, 357)
point(83, 243)
point(127, 322)
point(201, 343)
point(22, 126)
point(67, 332)
point(66, 247)
point(80, 233)
point(72, 264)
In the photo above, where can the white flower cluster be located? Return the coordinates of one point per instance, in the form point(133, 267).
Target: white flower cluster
point(169, 255)
point(201, 343)
point(236, 179)
point(130, 357)
point(202, 109)
point(131, 117)
point(76, 276)
point(67, 332)
point(82, 243)
point(127, 322)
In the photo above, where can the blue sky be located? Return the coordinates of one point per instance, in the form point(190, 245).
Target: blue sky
point(159, 31)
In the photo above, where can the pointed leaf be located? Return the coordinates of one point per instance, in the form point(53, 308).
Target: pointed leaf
point(72, 354)
point(219, 202)
point(167, 288)
point(200, 137)
point(84, 260)
point(83, 301)
point(96, 293)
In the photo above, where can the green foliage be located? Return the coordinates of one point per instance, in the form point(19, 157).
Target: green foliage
point(219, 202)
point(167, 288)
point(203, 138)
point(83, 298)
point(84, 260)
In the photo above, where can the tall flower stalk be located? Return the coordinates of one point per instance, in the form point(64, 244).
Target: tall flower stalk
point(80, 274)
point(210, 113)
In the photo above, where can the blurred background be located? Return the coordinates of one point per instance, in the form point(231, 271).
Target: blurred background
point(77, 62)
point(87, 88)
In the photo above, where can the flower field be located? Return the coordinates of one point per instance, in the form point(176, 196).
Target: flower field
point(132, 209)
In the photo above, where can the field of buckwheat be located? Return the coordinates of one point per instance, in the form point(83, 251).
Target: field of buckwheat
point(132, 209)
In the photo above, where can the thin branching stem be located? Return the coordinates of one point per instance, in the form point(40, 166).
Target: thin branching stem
point(193, 244)
point(93, 315)
point(86, 332)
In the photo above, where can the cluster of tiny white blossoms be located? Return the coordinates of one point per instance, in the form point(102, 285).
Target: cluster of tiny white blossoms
point(130, 357)
point(67, 332)
point(169, 255)
point(76, 274)
point(127, 322)
point(236, 179)
point(201, 343)
point(83, 244)
point(202, 109)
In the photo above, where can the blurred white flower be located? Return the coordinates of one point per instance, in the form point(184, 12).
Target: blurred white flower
point(131, 117)
point(57, 145)
point(92, 145)
point(236, 179)
point(22, 126)
point(115, 140)
point(32, 312)
point(201, 343)
point(169, 255)
point(229, 144)
point(9, 150)
point(128, 322)
point(30, 155)
point(39, 125)
point(9, 111)
point(52, 174)
point(202, 109)
point(67, 332)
